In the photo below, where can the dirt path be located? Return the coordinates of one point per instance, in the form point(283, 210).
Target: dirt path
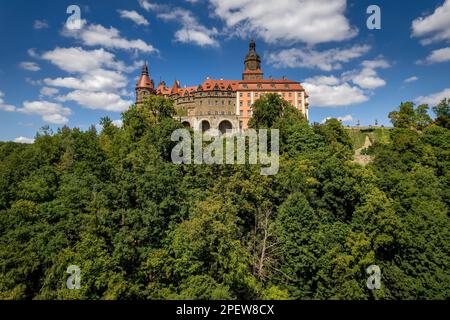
point(363, 159)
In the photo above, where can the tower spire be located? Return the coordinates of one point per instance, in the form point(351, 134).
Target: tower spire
point(252, 64)
point(145, 85)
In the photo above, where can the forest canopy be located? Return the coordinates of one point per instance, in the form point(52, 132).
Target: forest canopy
point(141, 227)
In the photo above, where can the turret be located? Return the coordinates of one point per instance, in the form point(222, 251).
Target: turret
point(145, 86)
point(252, 64)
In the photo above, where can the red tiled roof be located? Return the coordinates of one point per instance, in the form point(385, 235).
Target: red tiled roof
point(182, 91)
point(269, 85)
point(144, 82)
point(210, 85)
point(234, 85)
point(175, 87)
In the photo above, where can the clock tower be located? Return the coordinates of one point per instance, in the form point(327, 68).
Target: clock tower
point(252, 64)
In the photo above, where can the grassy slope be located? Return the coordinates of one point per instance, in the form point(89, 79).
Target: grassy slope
point(358, 135)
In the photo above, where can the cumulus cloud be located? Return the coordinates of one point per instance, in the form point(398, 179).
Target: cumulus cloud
point(48, 92)
point(324, 60)
point(97, 100)
point(191, 31)
point(308, 21)
point(4, 106)
point(32, 53)
point(40, 24)
point(30, 66)
point(118, 123)
point(50, 112)
point(346, 118)
point(437, 56)
point(24, 140)
point(434, 98)
point(78, 60)
point(134, 16)
point(96, 78)
point(411, 79)
point(367, 77)
point(98, 35)
point(146, 5)
point(332, 92)
point(434, 27)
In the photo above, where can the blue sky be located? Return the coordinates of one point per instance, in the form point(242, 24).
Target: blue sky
point(52, 75)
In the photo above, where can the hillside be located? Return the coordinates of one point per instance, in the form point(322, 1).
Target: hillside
point(375, 134)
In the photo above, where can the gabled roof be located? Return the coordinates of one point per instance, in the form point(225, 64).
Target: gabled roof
point(222, 85)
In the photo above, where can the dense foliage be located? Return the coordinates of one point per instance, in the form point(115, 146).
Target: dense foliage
point(141, 227)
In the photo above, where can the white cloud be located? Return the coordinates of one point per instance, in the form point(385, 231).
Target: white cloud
point(367, 77)
point(134, 16)
point(49, 92)
point(33, 82)
point(307, 58)
point(32, 53)
point(192, 31)
point(435, 27)
point(98, 35)
point(146, 5)
point(434, 98)
point(50, 112)
point(4, 106)
point(78, 60)
point(40, 24)
point(30, 66)
point(411, 79)
point(438, 56)
point(95, 80)
point(347, 118)
point(308, 21)
point(118, 123)
point(97, 100)
point(24, 140)
point(325, 92)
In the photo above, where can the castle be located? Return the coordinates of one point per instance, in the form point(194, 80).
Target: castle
point(224, 104)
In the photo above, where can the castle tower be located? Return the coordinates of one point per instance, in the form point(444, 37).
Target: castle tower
point(252, 64)
point(145, 86)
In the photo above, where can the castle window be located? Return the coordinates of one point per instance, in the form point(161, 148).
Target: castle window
point(249, 95)
point(240, 103)
point(241, 95)
point(290, 94)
